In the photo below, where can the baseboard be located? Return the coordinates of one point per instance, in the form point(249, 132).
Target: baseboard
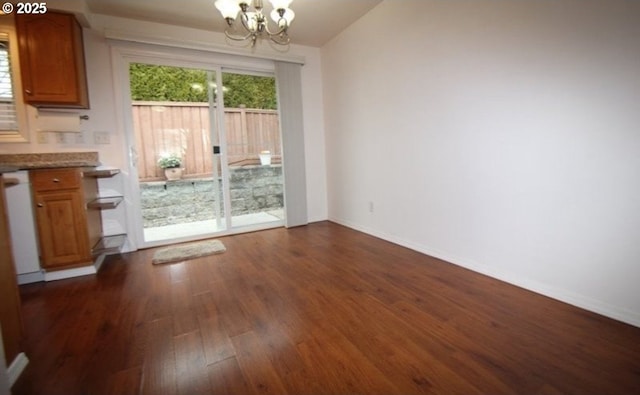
point(98, 262)
point(581, 301)
point(68, 273)
point(16, 368)
point(28, 278)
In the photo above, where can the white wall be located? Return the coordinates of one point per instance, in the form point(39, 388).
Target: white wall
point(502, 136)
point(104, 117)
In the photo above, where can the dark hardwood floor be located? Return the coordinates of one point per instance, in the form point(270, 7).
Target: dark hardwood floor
point(320, 309)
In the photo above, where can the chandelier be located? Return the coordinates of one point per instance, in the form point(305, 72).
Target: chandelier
point(254, 22)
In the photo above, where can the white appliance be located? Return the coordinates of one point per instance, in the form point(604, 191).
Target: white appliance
point(22, 227)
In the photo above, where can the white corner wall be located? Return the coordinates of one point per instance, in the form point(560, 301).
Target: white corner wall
point(503, 136)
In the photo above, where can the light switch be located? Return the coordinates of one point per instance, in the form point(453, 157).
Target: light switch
point(101, 137)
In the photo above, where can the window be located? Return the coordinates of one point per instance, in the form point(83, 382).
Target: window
point(13, 119)
point(8, 117)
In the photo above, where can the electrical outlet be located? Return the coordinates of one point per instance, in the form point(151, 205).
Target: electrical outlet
point(370, 207)
point(101, 137)
point(69, 138)
point(43, 137)
point(80, 138)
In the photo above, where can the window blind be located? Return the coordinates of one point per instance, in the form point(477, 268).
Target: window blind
point(8, 116)
point(289, 88)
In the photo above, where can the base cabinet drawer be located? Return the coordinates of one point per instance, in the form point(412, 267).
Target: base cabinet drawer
point(55, 179)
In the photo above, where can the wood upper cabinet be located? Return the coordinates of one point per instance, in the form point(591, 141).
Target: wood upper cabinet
point(67, 230)
point(52, 61)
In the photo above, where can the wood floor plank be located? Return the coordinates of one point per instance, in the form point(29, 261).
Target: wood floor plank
point(201, 272)
point(319, 309)
point(65, 381)
point(124, 382)
point(232, 314)
point(191, 365)
point(159, 295)
point(254, 361)
point(183, 308)
point(369, 329)
point(159, 374)
point(342, 367)
point(216, 343)
point(226, 377)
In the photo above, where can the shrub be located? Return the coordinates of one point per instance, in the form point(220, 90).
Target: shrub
point(170, 162)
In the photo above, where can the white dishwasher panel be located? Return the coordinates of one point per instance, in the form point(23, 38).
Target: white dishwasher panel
point(23, 229)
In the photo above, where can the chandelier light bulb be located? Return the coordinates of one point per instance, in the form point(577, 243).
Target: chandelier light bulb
point(252, 21)
point(286, 17)
point(280, 4)
point(228, 8)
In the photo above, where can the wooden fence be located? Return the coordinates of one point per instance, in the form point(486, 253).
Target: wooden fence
point(163, 128)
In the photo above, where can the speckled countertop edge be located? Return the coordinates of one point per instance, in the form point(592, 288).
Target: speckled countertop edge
point(50, 160)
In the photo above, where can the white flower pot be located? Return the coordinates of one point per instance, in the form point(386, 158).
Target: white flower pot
point(265, 158)
point(173, 174)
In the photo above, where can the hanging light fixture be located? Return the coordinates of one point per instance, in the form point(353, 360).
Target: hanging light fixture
point(254, 22)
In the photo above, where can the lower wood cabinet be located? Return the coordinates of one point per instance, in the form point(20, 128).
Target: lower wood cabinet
point(67, 229)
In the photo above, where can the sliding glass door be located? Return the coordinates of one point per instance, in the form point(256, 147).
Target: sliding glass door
point(254, 149)
point(207, 150)
point(176, 137)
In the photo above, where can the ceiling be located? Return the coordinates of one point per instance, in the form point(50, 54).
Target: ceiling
point(316, 21)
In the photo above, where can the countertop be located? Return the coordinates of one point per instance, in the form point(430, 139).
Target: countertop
point(48, 160)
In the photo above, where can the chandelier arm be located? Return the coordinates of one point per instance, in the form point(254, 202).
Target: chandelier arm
point(275, 39)
point(245, 22)
point(236, 37)
point(279, 32)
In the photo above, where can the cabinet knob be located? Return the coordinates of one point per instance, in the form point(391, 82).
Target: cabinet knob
point(27, 91)
point(40, 205)
point(56, 180)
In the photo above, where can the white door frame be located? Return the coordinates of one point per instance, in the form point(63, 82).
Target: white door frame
point(124, 53)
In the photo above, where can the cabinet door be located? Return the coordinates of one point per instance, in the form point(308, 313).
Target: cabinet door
point(52, 60)
point(62, 227)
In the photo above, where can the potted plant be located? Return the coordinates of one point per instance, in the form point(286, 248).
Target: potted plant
point(172, 166)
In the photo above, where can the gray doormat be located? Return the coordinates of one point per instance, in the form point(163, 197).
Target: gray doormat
point(182, 252)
